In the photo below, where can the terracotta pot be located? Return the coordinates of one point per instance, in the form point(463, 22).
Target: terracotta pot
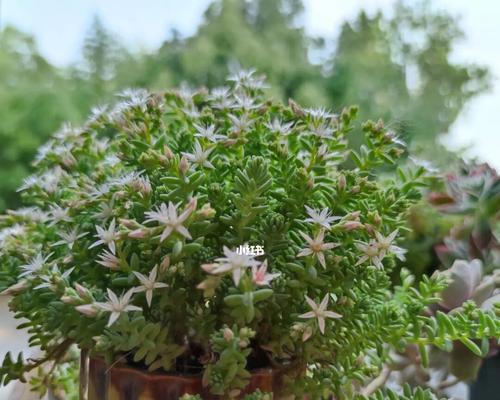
point(121, 382)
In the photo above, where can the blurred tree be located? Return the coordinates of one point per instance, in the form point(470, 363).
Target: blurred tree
point(94, 79)
point(34, 101)
point(259, 34)
point(401, 68)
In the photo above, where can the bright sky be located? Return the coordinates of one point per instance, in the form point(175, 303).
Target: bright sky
point(59, 27)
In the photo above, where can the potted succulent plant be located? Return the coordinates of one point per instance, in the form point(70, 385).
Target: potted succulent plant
point(471, 256)
point(209, 243)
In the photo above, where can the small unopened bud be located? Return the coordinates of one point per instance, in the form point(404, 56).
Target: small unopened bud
point(142, 185)
point(228, 335)
point(82, 291)
point(209, 267)
point(183, 165)
point(370, 229)
point(165, 264)
point(129, 223)
point(307, 333)
point(168, 153)
point(353, 215)
point(310, 183)
point(351, 225)
point(138, 234)
point(297, 110)
point(342, 182)
point(230, 142)
point(355, 189)
point(207, 211)
point(68, 299)
point(16, 288)
point(87, 309)
point(192, 204)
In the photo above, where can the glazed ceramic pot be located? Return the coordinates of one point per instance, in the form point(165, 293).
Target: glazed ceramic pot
point(121, 382)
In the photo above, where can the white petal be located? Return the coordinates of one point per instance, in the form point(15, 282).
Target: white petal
point(321, 259)
point(166, 233)
point(305, 252)
point(112, 296)
point(183, 231)
point(149, 297)
point(311, 303)
point(331, 314)
point(321, 324)
point(324, 303)
point(113, 317)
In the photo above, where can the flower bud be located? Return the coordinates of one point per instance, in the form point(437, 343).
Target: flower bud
point(351, 225)
point(87, 309)
point(370, 229)
point(129, 223)
point(16, 288)
point(307, 333)
point(207, 211)
point(228, 334)
point(138, 234)
point(342, 182)
point(168, 153)
point(82, 291)
point(209, 267)
point(165, 264)
point(183, 165)
point(68, 299)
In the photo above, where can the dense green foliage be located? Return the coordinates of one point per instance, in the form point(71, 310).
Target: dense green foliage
point(129, 245)
point(374, 65)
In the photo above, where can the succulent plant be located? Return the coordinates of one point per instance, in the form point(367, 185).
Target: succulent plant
point(470, 257)
point(216, 231)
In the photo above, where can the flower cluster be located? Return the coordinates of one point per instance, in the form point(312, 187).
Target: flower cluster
point(135, 219)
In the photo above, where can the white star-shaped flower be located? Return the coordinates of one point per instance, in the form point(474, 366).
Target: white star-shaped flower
point(278, 126)
point(58, 214)
point(167, 216)
point(148, 284)
point(247, 79)
point(199, 156)
point(117, 305)
point(316, 247)
point(322, 131)
point(208, 132)
point(109, 260)
point(260, 276)
point(69, 237)
point(385, 245)
point(371, 253)
point(106, 236)
point(232, 262)
point(240, 123)
point(49, 279)
point(322, 218)
point(34, 265)
point(319, 312)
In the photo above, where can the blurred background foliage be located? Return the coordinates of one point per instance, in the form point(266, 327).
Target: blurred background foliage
point(398, 68)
